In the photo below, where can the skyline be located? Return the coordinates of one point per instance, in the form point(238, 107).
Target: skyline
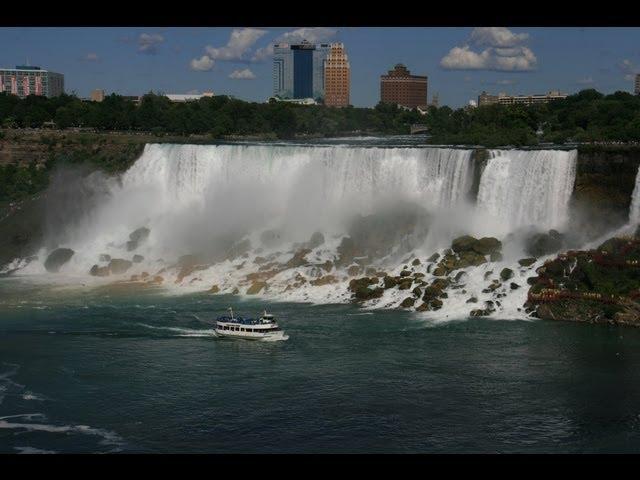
point(460, 62)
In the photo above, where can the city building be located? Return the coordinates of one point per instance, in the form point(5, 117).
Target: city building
point(26, 80)
point(337, 77)
point(179, 97)
point(503, 99)
point(298, 70)
point(637, 88)
point(97, 95)
point(398, 86)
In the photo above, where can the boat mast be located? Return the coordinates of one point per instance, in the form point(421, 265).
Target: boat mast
point(231, 310)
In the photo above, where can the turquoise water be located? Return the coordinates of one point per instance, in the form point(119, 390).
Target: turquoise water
point(103, 371)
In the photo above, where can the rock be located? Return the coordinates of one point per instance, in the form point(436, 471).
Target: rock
point(354, 270)
point(469, 259)
point(487, 246)
point(416, 262)
point(235, 291)
point(418, 275)
point(435, 304)
point(57, 259)
point(97, 271)
point(316, 240)
point(488, 274)
point(214, 289)
point(298, 259)
point(326, 280)
point(156, 280)
point(527, 262)
point(361, 290)
point(472, 300)
point(439, 272)
point(137, 237)
point(541, 244)
point(506, 274)
point(460, 276)
point(532, 280)
point(137, 258)
point(328, 265)
point(144, 275)
point(140, 234)
point(256, 287)
point(463, 244)
point(405, 273)
point(434, 257)
point(423, 307)
point(408, 302)
point(417, 292)
point(104, 257)
point(405, 284)
point(514, 286)
point(389, 282)
point(346, 251)
point(118, 266)
point(259, 260)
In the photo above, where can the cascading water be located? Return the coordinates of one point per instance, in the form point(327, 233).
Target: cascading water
point(527, 188)
point(189, 196)
point(634, 209)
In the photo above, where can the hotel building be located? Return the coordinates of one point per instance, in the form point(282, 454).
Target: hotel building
point(25, 80)
point(399, 87)
point(337, 77)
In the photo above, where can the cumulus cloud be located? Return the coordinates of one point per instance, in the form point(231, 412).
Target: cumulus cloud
point(310, 34)
point(202, 64)
point(148, 43)
point(628, 69)
point(245, 74)
point(503, 52)
point(241, 40)
point(497, 37)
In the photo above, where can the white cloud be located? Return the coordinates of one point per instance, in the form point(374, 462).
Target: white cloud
point(91, 57)
point(506, 82)
point(310, 34)
point(503, 52)
point(245, 74)
point(148, 42)
point(586, 81)
point(497, 37)
point(629, 69)
point(241, 40)
point(202, 64)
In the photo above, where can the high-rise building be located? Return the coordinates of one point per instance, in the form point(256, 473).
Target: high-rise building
point(26, 80)
point(298, 70)
point(637, 88)
point(398, 86)
point(503, 99)
point(97, 95)
point(337, 77)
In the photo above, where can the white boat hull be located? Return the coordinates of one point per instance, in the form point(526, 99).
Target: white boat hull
point(266, 336)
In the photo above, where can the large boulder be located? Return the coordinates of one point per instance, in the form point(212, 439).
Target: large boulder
point(137, 237)
point(98, 271)
point(316, 240)
point(57, 259)
point(118, 266)
point(541, 244)
point(298, 259)
point(256, 287)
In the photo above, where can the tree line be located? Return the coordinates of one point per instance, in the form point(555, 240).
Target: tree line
point(587, 116)
point(215, 116)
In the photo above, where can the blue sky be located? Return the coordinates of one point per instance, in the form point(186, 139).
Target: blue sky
point(460, 61)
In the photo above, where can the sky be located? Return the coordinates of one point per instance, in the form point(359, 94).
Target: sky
point(460, 62)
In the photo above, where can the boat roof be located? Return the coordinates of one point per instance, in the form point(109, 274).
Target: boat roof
point(240, 320)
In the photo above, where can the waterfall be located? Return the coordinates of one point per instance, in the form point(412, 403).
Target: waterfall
point(521, 188)
point(189, 195)
point(634, 209)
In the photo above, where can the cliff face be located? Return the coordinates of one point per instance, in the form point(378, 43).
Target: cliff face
point(605, 179)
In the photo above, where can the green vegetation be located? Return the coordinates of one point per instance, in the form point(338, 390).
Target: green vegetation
point(17, 182)
point(214, 116)
point(587, 116)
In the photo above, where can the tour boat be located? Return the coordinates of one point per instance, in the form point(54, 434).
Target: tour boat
point(264, 328)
